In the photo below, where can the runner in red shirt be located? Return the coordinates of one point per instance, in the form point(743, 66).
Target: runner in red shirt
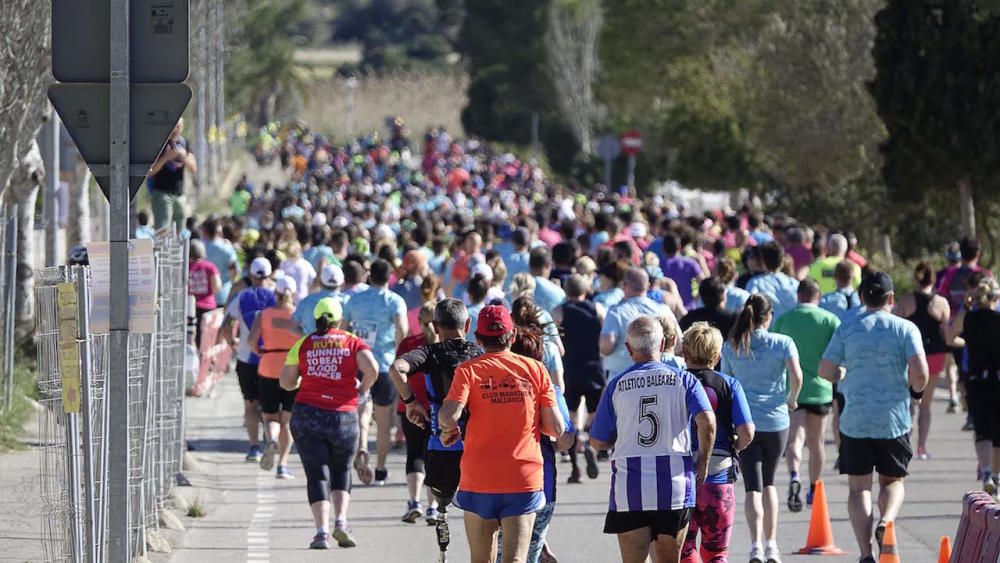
point(323, 366)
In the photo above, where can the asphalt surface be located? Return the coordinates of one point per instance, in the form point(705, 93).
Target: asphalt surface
point(251, 516)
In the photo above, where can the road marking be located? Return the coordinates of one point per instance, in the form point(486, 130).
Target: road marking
point(258, 532)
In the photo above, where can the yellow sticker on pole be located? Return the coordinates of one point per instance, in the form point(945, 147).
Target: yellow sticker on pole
point(69, 350)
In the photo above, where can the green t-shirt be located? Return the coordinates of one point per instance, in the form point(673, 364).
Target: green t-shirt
point(811, 328)
point(240, 203)
point(822, 271)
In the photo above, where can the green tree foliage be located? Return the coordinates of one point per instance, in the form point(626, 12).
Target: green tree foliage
point(395, 34)
point(262, 70)
point(937, 88)
point(503, 45)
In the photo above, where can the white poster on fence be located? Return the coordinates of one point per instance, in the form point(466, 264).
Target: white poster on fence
point(141, 285)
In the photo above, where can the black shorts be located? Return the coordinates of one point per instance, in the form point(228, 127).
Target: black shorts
point(822, 409)
point(660, 522)
point(273, 399)
point(247, 376)
point(443, 471)
point(759, 461)
point(983, 397)
point(574, 397)
point(383, 392)
point(889, 457)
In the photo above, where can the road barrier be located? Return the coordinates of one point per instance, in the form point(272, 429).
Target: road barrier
point(72, 380)
point(978, 536)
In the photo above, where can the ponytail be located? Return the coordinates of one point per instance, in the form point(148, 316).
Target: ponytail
point(751, 317)
point(323, 325)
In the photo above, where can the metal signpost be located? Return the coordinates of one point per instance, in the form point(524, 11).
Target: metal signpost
point(103, 50)
point(608, 148)
point(631, 146)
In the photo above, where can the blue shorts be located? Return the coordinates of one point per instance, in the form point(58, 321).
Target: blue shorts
point(497, 506)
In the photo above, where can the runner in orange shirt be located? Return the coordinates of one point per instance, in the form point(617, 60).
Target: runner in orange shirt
point(273, 334)
point(511, 401)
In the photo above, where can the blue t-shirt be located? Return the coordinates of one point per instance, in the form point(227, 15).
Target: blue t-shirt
point(843, 302)
point(673, 361)
point(616, 323)
point(781, 289)
point(874, 349)
point(610, 297)
point(315, 254)
point(548, 295)
point(409, 289)
point(304, 311)
point(761, 371)
point(736, 298)
point(549, 450)
point(474, 310)
point(371, 315)
point(739, 415)
point(517, 263)
point(221, 253)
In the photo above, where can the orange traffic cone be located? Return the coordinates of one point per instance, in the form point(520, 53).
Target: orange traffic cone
point(820, 539)
point(944, 554)
point(888, 549)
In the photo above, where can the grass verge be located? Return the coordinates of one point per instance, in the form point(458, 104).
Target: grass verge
point(196, 510)
point(12, 420)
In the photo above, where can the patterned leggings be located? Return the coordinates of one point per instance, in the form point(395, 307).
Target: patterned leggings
point(713, 516)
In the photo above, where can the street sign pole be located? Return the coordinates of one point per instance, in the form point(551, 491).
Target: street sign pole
point(119, 509)
point(631, 171)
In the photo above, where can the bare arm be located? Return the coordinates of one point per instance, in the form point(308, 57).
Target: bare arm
point(399, 371)
point(918, 373)
point(368, 368)
point(953, 332)
point(744, 435)
point(402, 328)
point(552, 422)
point(705, 421)
point(599, 445)
point(448, 417)
point(290, 378)
point(557, 315)
point(794, 382)
point(215, 284)
point(607, 344)
point(830, 371)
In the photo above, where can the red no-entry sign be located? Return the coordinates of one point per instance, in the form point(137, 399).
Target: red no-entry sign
point(631, 142)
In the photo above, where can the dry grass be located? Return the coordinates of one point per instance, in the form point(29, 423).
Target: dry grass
point(423, 99)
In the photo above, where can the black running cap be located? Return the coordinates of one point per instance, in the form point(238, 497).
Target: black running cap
point(876, 285)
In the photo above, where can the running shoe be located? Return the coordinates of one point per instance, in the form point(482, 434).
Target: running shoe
point(574, 476)
point(344, 537)
point(361, 461)
point(413, 512)
point(922, 454)
point(794, 496)
point(952, 406)
point(603, 455)
point(990, 486)
point(772, 555)
point(591, 457)
point(867, 559)
point(431, 516)
point(810, 494)
point(320, 541)
point(756, 554)
point(267, 460)
point(381, 475)
point(968, 426)
point(253, 456)
point(879, 534)
point(284, 473)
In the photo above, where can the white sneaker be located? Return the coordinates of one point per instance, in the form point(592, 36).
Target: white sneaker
point(990, 486)
point(756, 555)
point(772, 555)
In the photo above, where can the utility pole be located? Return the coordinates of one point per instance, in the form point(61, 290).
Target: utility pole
point(220, 84)
point(210, 92)
point(119, 507)
point(49, 145)
point(200, 79)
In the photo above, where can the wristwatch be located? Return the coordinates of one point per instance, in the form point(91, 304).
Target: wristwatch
point(410, 400)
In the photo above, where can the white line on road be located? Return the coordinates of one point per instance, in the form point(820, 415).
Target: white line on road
point(258, 536)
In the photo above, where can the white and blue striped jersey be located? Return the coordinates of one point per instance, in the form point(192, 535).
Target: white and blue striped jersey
point(646, 412)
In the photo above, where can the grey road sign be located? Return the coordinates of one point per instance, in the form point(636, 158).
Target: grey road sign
point(608, 147)
point(158, 32)
point(85, 110)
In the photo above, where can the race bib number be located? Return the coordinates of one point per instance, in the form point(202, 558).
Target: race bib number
point(367, 331)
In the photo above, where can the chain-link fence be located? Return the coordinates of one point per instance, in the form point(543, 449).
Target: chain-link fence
point(73, 369)
point(8, 269)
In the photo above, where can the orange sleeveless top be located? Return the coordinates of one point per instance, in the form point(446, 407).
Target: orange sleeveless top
point(277, 338)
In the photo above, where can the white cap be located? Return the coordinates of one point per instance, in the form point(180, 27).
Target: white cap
point(286, 283)
point(332, 276)
point(260, 268)
point(482, 269)
point(319, 219)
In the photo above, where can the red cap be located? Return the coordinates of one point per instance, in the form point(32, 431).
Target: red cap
point(494, 320)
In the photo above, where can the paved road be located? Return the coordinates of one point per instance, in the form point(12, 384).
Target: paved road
point(253, 517)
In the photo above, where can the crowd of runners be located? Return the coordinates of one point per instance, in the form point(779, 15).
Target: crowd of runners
point(493, 322)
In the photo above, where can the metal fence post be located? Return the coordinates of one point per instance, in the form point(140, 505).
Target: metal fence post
point(11, 287)
point(83, 307)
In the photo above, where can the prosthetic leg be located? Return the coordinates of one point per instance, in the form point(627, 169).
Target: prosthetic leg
point(441, 528)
